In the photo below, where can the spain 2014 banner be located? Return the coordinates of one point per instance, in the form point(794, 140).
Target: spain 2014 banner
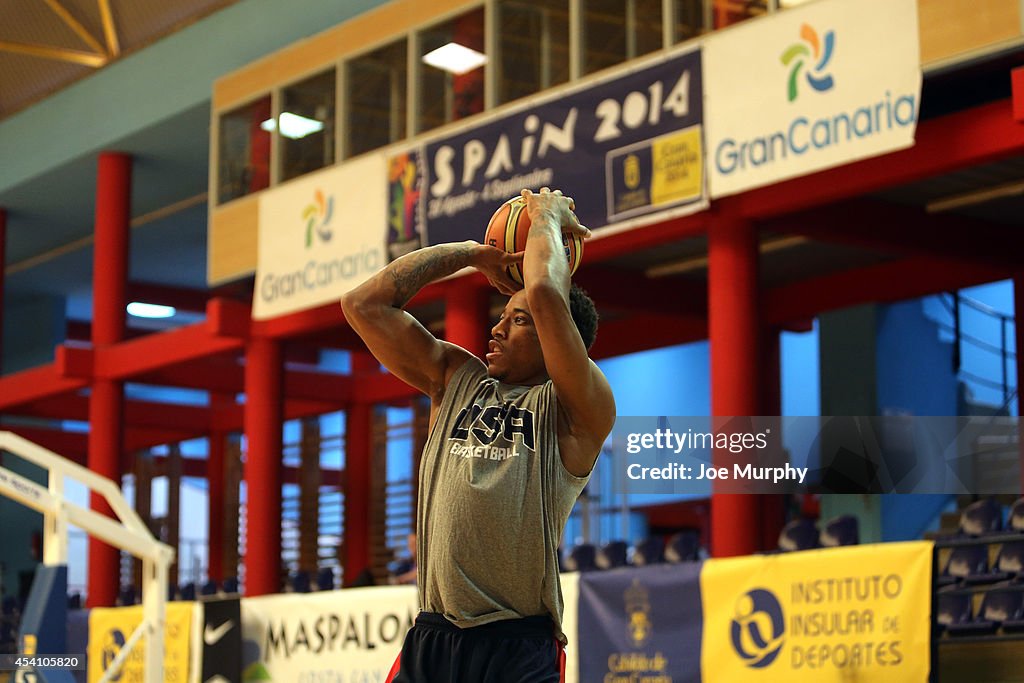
point(857, 613)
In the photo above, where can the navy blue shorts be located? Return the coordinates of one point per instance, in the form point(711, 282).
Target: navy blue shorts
point(510, 651)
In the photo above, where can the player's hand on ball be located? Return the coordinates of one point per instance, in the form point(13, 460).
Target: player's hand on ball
point(494, 264)
point(554, 206)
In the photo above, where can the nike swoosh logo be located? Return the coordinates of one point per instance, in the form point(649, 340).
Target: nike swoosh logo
point(212, 635)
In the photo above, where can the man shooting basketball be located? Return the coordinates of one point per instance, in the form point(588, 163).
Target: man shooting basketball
point(511, 446)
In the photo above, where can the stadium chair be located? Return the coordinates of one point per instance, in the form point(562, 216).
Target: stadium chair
point(75, 601)
point(842, 530)
point(209, 588)
point(188, 591)
point(612, 555)
point(1010, 560)
point(126, 596)
point(981, 517)
point(953, 609)
point(581, 558)
point(964, 561)
point(683, 547)
point(800, 534)
point(325, 579)
point(998, 608)
point(649, 551)
point(9, 606)
point(1016, 521)
point(231, 585)
point(300, 582)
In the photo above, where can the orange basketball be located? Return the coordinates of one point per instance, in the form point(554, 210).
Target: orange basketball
point(507, 230)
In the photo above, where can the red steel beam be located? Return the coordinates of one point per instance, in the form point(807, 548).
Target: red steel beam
point(37, 383)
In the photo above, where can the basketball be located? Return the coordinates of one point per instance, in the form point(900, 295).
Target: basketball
point(508, 228)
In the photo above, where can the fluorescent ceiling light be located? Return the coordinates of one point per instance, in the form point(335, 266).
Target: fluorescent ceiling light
point(141, 310)
point(294, 126)
point(785, 4)
point(456, 58)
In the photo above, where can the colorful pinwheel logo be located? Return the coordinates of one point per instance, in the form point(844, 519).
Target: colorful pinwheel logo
point(810, 48)
point(317, 216)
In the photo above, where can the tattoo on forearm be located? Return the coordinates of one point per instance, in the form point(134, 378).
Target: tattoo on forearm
point(412, 273)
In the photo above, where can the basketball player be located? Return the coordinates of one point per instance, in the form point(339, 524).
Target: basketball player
point(512, 443)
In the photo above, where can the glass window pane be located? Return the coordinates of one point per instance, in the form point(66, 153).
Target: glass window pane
point(617, 30)
point(690, 20)
point(306, 125)
point(376, 87)
point(244, 151)
point(533, 46)
point(452, 87)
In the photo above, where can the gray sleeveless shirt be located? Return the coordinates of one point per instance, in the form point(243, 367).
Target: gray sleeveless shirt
point(494, 499)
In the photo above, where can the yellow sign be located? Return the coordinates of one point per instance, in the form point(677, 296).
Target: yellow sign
point(110, 628)
point(844, 614)
point(678, 162)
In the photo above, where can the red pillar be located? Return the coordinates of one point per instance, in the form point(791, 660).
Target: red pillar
point(466, 316)
point(358, 484)
point(215, 502)
point(106, 403)
point(733, 326)
point(264, 383)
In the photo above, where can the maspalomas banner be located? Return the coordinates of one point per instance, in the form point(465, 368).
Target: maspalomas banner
point(320, 236)
point(628, 148)
point(346, 635)
point(642, 624)
point(110, 628)
point(808, 89)
point(843, 614)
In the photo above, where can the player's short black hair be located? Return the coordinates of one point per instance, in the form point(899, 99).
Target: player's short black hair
point(584, 314)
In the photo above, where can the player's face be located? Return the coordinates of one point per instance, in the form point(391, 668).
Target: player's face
point(513, 354)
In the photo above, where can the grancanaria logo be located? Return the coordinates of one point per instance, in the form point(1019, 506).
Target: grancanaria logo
point(317, 215)
point(797, 54)
point(758, 628)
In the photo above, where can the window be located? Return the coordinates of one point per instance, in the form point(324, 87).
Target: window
point(691, 20)
point(306, 125)
point(451, 70)
point(617, 30)
point(728, 13)
point(375, 98)
point(533, 47)
point(243, 151)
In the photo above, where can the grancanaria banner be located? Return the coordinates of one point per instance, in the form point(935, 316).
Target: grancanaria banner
point(110, 628)
point(842, 614)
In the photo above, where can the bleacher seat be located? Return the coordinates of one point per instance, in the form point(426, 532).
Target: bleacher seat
point(209, 588)
point(300, 582)
point(800, 534)
point(649, 551)
point(325, 579)
point(1010, 560)
point(998, 608)
point(582, 558)
point(953, 608)
point(75, 601)
point(981, 517)
point(1016, 521)
point(612, 555)
point(964, 561)
point(126, 596)
point(231, 585)
point(840, 531)
point(683, 547)
point(188, 591)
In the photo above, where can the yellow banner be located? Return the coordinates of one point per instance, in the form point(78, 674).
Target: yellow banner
point(111, 627)
point(860, 613)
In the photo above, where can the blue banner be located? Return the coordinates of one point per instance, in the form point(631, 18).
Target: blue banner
point(641, 624)
point(623, 148)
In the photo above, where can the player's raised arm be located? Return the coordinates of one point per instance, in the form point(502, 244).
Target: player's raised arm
point(582, 389)
point(396, 338)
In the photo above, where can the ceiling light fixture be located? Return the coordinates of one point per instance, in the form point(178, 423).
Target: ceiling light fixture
point(143, 310)
point(458, 59)
point(293, 126)
point(987, 194)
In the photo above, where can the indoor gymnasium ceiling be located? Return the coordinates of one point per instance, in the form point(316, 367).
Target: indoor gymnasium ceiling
point(46, 45)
